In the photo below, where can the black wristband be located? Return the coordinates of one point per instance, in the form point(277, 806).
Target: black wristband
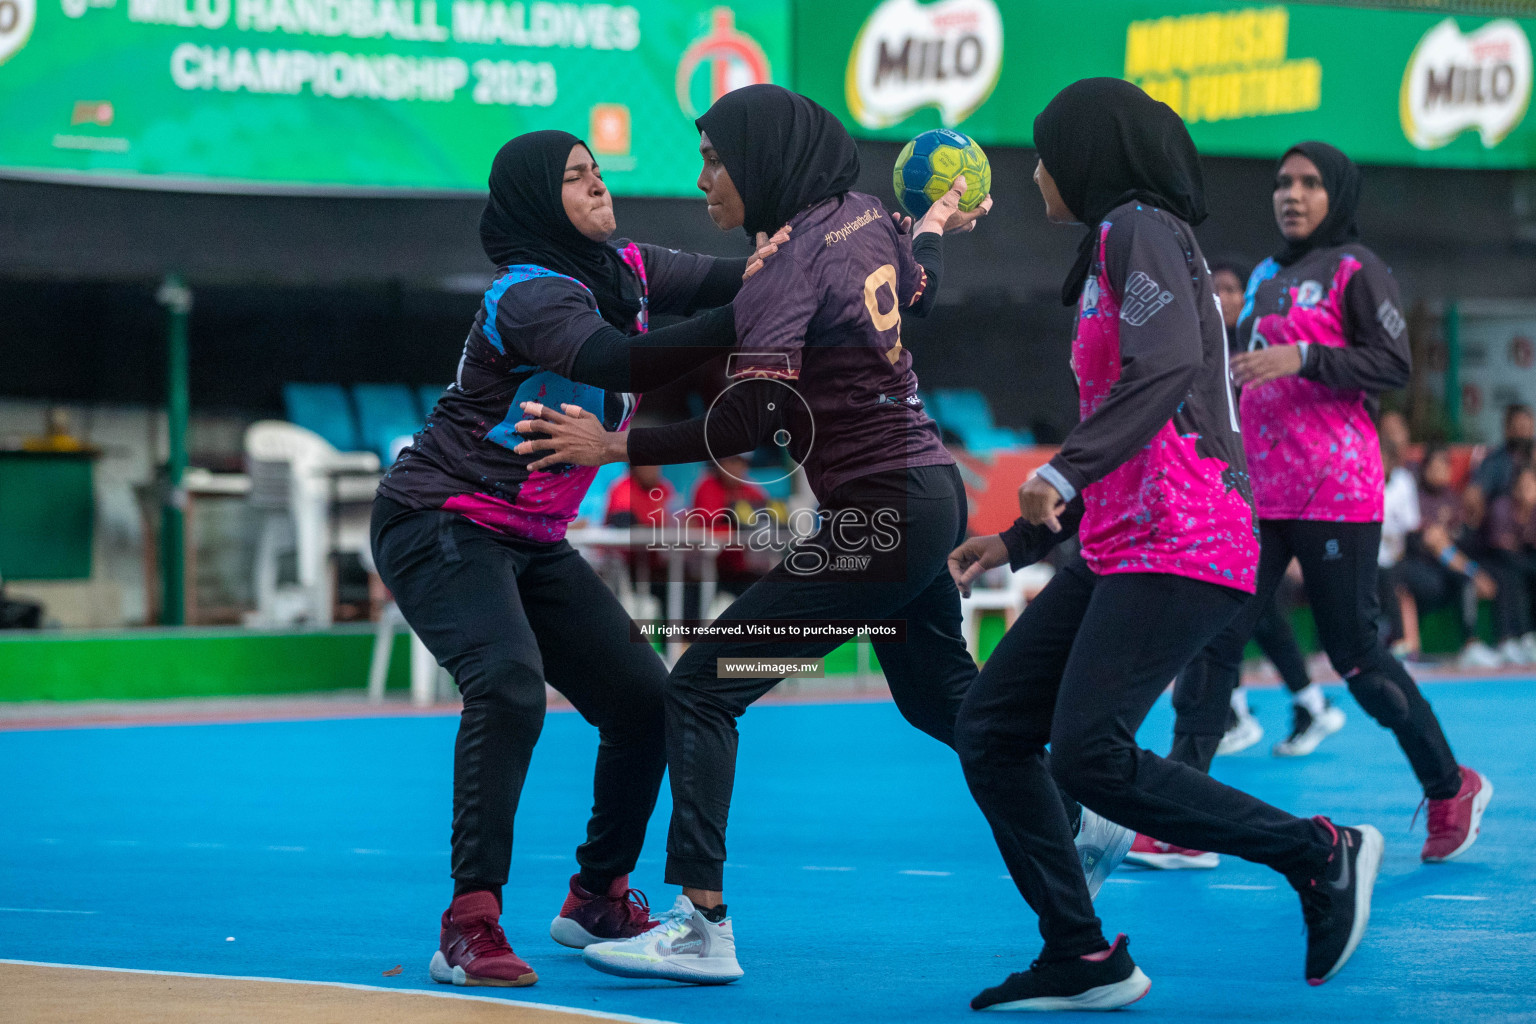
point(928, 250)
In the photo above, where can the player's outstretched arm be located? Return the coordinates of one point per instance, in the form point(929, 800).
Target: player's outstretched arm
point(615, 361)
point(1028, 543)
point(978, 554)
point(928, 240)
point(739, 422)
point(945, 214)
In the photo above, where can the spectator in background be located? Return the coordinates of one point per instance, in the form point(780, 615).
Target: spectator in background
point(1497, 471)
point(1393, 429)
point(731, 504)
point(1400, 517)
point(1435, 571)
point(1510, 535)
point(1492, 477)
point(1229, 278)
point(640, 497)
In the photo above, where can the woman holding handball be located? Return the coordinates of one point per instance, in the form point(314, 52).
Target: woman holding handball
point(1169, 556)
point(470, 538)
point(820, 360)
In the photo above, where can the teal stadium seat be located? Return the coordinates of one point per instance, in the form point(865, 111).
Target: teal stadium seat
point(775, 483)
point(427, 396)
point(966, 413)
point(684, 478)
point(324, 409)
point(594, 504)
point(385, 412)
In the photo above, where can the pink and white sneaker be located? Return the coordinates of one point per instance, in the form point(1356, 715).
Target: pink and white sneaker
point(1154, 853)
point(619, 913)
point(1455, 823)
point(473, 949)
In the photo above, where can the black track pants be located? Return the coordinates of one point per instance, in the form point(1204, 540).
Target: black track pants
point(905, 578)
point(1277, 640)
point(503, 616)
point(1079, 670)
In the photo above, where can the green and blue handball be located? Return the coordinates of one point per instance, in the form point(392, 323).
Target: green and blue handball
point(930, 163)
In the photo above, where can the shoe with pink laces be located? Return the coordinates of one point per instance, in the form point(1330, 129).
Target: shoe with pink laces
point(1154, 853)
point(474, 950)
point(618, 913)
point(1454, 823)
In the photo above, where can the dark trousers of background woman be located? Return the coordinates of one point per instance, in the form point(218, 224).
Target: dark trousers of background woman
point(1434, 585)
point(1277, 640)
point(1338, 567)
point(504, 615)
point(1515, 574)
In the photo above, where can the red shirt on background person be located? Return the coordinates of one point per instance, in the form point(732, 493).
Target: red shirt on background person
point(725, 490)
point(641, 498)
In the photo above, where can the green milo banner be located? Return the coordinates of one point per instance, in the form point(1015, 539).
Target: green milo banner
point(1389, 87)
point(318, 95)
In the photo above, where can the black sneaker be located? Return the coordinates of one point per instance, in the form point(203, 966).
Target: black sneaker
point(1098, 981)
point(1336, 905)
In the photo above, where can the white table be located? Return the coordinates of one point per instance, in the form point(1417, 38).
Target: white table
point(679, 543)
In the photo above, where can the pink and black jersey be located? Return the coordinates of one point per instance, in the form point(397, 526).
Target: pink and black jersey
point(1157, 456)
point(824, 315)
point(521, 348)
point(1311, 443)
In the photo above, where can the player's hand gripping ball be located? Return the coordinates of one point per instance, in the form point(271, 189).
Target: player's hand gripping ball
point(929, 164)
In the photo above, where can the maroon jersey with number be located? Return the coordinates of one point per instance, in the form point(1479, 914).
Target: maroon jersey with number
point(824, 316)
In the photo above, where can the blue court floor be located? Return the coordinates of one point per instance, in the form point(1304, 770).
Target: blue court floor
point(864, 884)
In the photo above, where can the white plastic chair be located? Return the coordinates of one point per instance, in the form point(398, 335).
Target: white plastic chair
point(292, 487)
point(1018, 590)
point(430, 682)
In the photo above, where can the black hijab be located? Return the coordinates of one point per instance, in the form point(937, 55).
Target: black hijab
point(1341, 179)
point(782, 151)
point(1105, 142)
point(525, 222)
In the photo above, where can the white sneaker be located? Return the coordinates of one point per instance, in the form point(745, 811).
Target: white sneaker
point(1479, 655)
point(684, 946)
point(1512, 651)
point(1241, 736)
point(1307, 730)
point(1528, 644)
point(1101, 846)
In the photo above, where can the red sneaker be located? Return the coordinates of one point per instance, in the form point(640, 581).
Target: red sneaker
point(1154, 853)
point(1454, 823)
point(620, 913)
point(474, 950)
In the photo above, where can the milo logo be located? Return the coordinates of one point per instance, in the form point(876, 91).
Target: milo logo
point(909, 56)
point(1456, 83)
point(16, 20)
